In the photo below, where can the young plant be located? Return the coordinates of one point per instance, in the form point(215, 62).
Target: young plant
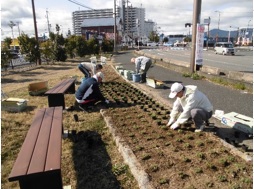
point(146, 157)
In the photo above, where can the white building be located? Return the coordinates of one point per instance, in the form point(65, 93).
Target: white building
point(134, 24)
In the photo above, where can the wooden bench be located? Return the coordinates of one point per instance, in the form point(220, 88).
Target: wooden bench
point(38, 164)
point(56, 94)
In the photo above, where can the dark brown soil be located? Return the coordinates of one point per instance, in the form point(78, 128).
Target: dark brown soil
point(173, 159)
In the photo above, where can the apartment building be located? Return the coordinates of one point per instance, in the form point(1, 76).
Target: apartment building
point(79, 16)
point(133, 20)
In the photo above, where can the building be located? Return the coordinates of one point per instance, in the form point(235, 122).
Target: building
point(245, 36)
point(79, 16)
point(149, 27)
point(133, 21)
point(134, 24)
point(101, 27)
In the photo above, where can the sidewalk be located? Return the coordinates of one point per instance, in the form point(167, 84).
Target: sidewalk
point(217, 94)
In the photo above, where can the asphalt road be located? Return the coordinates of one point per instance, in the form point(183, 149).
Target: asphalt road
point(222, 98)
point(241, 61)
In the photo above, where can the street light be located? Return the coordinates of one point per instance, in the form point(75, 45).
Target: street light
point(11, 24)
point(246, 33)
point(218, 20)
point(218, 24)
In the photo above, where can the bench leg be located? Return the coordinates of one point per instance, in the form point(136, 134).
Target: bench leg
point(71, 89)
point(56, 100)
point(52, 180)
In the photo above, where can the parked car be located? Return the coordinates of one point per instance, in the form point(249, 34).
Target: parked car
point(224, 48)
point(152, 44)
point(168, 44)
point(140, 43)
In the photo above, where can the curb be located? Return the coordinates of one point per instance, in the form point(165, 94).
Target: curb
point(136, 169)
point(232, 75)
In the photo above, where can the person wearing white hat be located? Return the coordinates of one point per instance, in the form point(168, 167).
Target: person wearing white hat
point(89, 92)
point(189, 103)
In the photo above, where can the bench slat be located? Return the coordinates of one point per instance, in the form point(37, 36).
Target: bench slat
point(62, 87)
point(22, 162)
point(38, 160)
point(55, 148)
point(42, 143)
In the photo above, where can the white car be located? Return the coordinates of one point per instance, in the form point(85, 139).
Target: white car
point(152, 44)
point(168, 44)
point(224, 48)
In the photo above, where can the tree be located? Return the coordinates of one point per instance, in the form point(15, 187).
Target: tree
point(5, 56)
point(107, 45)
point(70, 45)
point(93, 46)
point(81, 46)
point(47, 51)
point(154, 37)
point(29, 47)
point(7, 42)
point(58, 43)
point(187, 39)
point(165, 39)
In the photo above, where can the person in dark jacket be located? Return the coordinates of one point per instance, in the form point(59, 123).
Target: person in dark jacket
point(88, 93)
point(142, 65)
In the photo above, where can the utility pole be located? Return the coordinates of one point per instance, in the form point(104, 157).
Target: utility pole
point(127, 26)
point(18, 28)
point(48, 21)
point(115, 37)
point(218, 26)
point(195, 21)
point(11, 24)
point(36, 32)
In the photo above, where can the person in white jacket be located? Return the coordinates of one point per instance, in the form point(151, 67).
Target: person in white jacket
point(190, 103)
point(89, 69)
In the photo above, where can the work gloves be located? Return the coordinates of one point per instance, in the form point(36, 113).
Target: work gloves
point(174, 125)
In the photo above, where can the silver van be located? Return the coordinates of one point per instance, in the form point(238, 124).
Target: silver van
point(224, 48)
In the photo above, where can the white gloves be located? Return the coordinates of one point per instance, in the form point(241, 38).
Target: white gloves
point(107, 101)
point(171, 121)
point(175, 126)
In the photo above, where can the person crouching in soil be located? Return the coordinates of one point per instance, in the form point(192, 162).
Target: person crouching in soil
point(190, 103)
point(89, 69)
point(88, 93)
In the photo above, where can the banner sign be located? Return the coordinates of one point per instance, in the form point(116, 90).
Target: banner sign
point(199, 44)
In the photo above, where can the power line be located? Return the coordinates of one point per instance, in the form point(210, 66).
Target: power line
point(80, 4)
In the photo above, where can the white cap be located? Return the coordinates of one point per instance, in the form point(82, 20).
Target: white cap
point(100, 74)
point(175, 88)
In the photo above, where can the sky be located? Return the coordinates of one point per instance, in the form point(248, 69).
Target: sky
point(169, 15)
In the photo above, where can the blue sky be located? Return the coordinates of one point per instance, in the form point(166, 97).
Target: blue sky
point(170, 15)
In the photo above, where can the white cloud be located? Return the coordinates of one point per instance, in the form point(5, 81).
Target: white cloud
point(170, 16)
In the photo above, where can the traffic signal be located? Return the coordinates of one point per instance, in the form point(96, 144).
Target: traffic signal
point(187, 24)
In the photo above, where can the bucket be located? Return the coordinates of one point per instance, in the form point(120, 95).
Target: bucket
point(128, 74)
point(136, 77)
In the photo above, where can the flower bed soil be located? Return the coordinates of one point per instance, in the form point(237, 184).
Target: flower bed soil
point(172, 158)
